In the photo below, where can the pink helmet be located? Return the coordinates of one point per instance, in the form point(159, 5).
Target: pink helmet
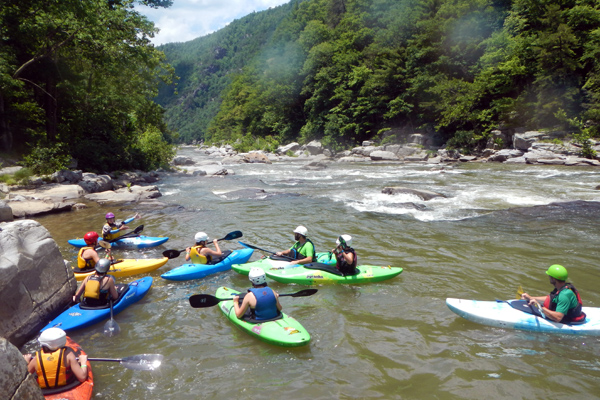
point(110, 215)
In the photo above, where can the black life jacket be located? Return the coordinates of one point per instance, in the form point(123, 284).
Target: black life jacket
point(343, 266)
point(574, 315)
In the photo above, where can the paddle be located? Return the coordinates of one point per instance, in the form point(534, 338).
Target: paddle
point(266, 251)
point(207, 300)
point(135, 232)
point(175, 253)
point(111, 328)
point(140, 362)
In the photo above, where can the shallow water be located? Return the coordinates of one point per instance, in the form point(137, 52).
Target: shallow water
point(491, 233)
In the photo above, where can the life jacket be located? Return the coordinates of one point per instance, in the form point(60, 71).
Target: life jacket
point(343, 266)
point(51, 368)
point(82, 263)
point(198, 258)
point(266, 303)
point(574, 315)
point(93, 294)
point(297, 250)
point(106, 235)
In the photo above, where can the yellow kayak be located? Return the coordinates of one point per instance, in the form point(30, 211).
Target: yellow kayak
point(127, 267)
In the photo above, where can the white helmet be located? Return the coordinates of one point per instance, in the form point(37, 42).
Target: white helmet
point(53, 338)
point(257, 276)
point(201, 237)
point(301, 230)
point(344, 239)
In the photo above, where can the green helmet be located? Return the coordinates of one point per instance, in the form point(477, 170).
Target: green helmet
point(558, 272)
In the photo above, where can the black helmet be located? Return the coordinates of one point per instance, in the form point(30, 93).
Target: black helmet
point(103, 266)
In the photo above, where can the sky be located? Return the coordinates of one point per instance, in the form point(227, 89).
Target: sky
point(188, 19)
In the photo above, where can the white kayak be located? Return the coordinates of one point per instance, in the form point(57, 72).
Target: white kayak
point(501, 314)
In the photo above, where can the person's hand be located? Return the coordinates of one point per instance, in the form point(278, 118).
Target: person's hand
point(525, 296)
point(137, 216)
point(74, 299)
point(215, 241)
point(279, 253)
point(236, 300)
point(294, 262)
point(124, 227)
point(83, 359)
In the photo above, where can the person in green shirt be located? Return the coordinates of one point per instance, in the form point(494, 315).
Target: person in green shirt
point(563, 304)
point(303, 251)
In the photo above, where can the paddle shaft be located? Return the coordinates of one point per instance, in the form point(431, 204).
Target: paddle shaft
point(207, 300)
point(135, 232)
point(176, 253)
point(266, 251)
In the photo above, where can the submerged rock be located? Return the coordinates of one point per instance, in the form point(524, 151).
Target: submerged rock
point(423, 194)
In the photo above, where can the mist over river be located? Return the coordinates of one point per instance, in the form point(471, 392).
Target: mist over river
point(494, 230)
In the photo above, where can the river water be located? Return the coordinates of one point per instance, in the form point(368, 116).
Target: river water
point(494, 230)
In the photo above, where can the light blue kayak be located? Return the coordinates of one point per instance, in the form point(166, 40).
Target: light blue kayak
point(197, 271)
point(77, 317)
point(128, 243)
point(501, 314)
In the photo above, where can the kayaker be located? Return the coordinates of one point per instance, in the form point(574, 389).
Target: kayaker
point(262, 300)
point(346, 259)
point(88, 256)
point(564, 303)
point(303, 251)
point(200, 254)
point(111, 230)
point(97, 287)
point(55, 364)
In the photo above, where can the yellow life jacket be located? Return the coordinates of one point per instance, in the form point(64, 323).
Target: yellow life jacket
point(92, 287)
point(82, 263)
point(51, 368)
point(110, 236)
point(197, 257)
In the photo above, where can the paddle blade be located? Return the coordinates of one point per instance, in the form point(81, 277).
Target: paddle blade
point(171, 253)
point(305, 292)
point(143, 362)
point(111, 328)
point(104, 244)
point(519, 292)
point(204, 300)
point(232, 235)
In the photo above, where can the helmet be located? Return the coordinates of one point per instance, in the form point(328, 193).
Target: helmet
point(53, 338)
point(301, 230)
point(102, 266)
point(344, 240)
point(109, 215)
point(558, 272)
point(257, 276)
point(90, 238)
point(201, 237)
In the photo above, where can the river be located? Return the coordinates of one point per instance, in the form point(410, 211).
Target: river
point(494, 230)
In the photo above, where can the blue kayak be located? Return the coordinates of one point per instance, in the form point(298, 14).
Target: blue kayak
point(128, 243)
point(196, 271)
point(77, 317)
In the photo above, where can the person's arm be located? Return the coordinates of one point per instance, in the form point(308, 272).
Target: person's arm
point(187, 253)
point(79, 368)
point(128, 220)
point(279, 307)
point(112, 288)
point(212, 252)
point(92, 254)
point(539, 299)
point(79, 291)
point(31, 365)
point(553, 315)
point(305, 260)
point(241, 310)
point(348, 256)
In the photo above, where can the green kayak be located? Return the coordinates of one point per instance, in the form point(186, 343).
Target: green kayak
point(285, 331)
point(276, 263)
point(313, 274)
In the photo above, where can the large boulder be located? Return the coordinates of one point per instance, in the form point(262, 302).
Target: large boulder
point(366, 151)
point(93, 183)
point(133, 194)
point(423, 194)
point(315, 147)
point(15, 381)
point(35, 282)
point(53, 192)
point(183, 160)
point(66, 175)
point(256, 157)
point(22, 207)
point(6, 213)
point(383, 156)
point(290, 147)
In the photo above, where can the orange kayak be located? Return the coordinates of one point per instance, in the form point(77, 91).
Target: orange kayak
point(76, 390)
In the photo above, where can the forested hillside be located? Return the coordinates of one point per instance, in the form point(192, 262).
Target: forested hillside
point(77, 80)
point(348, 70)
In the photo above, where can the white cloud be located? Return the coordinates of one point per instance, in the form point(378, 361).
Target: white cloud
point(188, 19)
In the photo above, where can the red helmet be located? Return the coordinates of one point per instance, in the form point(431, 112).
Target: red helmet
point(91, 238)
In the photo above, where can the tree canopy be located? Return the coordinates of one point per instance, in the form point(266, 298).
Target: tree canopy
point(78, 78)
point(348, 70)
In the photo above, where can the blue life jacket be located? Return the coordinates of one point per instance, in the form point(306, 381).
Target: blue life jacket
point(266, 303)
